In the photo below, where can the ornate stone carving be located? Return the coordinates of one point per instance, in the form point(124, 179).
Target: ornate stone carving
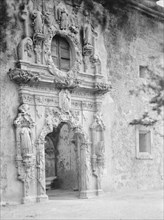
point(87, 36)
point(73, 24)
point(20, 76)
point(96, 63)
point(102, 88)
point(98, 148)
point(24, 16)
point(37, 21)
point(65, 100)
point(26, 50)
point(69, 84)
point(25, 159)
point(38, 36)
point(53, 117)
point(69, 78)
point(61, 16)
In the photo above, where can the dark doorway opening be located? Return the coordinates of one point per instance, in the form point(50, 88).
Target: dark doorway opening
point(61, 163)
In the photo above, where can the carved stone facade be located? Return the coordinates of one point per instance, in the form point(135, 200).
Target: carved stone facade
point(54, 96)
point(67, 65)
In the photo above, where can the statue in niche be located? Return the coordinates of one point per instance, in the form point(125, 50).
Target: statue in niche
point(29, 48)
point(98, 148)
point(24, 15)
point(87, 36)
point(73, 23)
point(25, 132)
point(26, 140)
point(61, 16)
point(38, 20)
point(65, 100)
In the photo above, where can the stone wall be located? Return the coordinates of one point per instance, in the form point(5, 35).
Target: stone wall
point(133, 39)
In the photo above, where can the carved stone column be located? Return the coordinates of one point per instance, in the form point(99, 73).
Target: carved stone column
point(83, 172)
point(41, 182)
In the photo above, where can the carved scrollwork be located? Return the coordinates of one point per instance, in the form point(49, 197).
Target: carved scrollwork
point(102, 88)
point(20, 76)
point(69, 84)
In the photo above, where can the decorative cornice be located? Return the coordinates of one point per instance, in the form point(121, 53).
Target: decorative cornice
point(148, 7)
point(20, 76)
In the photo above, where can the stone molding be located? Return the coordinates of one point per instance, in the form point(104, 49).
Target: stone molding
point(148, 7)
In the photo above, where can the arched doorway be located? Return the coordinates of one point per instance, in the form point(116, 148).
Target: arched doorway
point(61, 162)
point(55, 125)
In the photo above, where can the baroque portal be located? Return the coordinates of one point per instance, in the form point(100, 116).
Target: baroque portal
point(61, 89)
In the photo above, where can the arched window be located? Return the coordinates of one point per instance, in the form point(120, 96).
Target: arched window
point(61, 53)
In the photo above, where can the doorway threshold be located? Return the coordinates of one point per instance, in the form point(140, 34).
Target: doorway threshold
point(61, 194)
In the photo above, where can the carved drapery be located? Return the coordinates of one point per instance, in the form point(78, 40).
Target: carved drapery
point(25, 157)
point(98, 149)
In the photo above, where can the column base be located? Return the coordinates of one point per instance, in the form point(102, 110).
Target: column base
point(29, 199)
point(42, 198)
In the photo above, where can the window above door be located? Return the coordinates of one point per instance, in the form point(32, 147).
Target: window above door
point(61, 53)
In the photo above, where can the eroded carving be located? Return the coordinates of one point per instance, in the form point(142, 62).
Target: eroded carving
point(65, 100)
point(61, 16)
point(25, 159)
point(20, 76)
point(87, 36)
point(98, 148)
point(26, 50)
point(102, 88)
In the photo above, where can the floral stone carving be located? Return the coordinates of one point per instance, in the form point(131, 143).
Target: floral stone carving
point(20, 76)
point(25, 159)
point(102, 88)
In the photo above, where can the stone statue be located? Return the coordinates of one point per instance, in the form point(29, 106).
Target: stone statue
point(87, 33)
point(26, 140)
point(87, 37)
point(61, 16)
point(65, 100)
point(63, 19)
point(38, 21)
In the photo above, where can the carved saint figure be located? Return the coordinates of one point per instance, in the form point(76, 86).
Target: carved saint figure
point(87, 33)
point(61, 16)
point(38, 21)
point(63, 19)
point(26, 140)
point(65, 100)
